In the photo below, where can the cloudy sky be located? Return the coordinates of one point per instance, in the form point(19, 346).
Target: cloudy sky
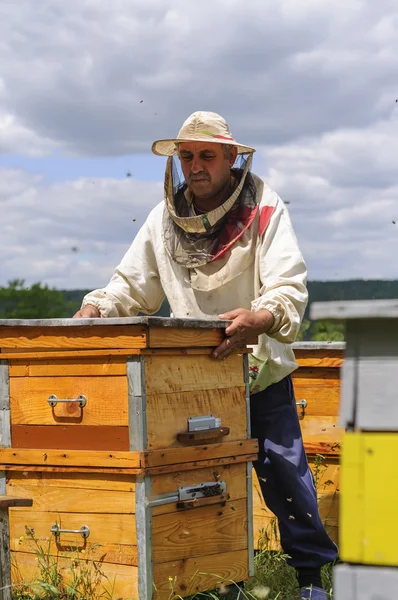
point(87, 85)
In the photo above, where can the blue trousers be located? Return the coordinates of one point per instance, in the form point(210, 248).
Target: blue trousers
point(285, 478)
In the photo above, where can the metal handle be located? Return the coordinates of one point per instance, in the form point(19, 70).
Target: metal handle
point(302, 404)
point(84, 531)
point(80, 400)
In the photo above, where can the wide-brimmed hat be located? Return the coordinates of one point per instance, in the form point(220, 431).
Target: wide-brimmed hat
point(201, 126)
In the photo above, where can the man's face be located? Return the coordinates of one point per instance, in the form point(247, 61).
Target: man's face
point(205, 168)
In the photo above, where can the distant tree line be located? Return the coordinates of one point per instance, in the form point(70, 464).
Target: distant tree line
point(38, 301)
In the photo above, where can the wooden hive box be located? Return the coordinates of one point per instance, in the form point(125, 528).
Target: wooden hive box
point(317, 389)
point(134, 445)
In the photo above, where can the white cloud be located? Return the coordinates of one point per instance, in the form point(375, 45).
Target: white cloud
point(75, 74)
point(73, 234)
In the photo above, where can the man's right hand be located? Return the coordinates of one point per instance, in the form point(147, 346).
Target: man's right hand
point(88, 312)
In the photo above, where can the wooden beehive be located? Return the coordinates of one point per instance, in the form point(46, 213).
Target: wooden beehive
point(317, 385)
point(100, 428)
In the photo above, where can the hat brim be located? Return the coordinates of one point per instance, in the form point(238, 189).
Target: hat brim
point(169, 147)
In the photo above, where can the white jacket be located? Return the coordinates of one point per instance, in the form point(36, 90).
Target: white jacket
point(275, 279)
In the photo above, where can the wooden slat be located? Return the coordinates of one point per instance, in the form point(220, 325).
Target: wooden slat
point(319, 358)
point(165, 375)
point(69, 437)
point(214, 462)
point(43, 353)
point(314, 376)
point(233, 475)
point(329, 449)
point(200, 531)
point(171, 456)
point(106, 400)
point(72, 469)
point(71, 366)
point(118, 554)
point(104, 528)
point(123, 577)
point(167, 414)
point(8, 501)
point(71, 458)
point(200, 573)
point(100, 336)
point(60, 500)
point(176, 337)
point(89, 481)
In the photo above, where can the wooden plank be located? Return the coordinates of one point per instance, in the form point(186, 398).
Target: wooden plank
point(167, 414)
point(118, 554)
point(130, 471)
point(321, 430)
point(171, 456)
point(191, 465)
point(104, 528)
point(233, 475)
point(319, 358)
point(43, 353)
point(165, 375)
point(173, 337)
point(61, 500)
point(330, 449)
point(326, 376)
point(101, 336)
point(201, 531)
point(199, 574)
point(321, 400)
point(71, 366)
point(121, 580)
point(71, 458)
point(8, 501)
point(69, 437)
point(106, 400)
point(89, 481)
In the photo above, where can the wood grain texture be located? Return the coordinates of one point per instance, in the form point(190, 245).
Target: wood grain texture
point(321, 429)
point(200, 573)
point(83, 337)
point(69, 481)
point(165, 375)
point(201, 531)
point(104, 528)
point(171, 456)
point(160, 337)
point(201, 464)
point(125, 577)
point(61, 500)
point(84, 437)
point(319, 358)
point(76, 366)
point(167, 414)
point(321, 400)
point(106, 400)
point(71, 458)
point(118, 554)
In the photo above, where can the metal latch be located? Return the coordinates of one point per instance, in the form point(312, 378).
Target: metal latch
point(192, 492)
point(202, 490)
point(204, 422)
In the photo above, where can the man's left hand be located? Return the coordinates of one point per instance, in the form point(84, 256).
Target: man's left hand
point(245, 325)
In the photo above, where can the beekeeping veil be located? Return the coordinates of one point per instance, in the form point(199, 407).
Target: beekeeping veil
point(206, 243)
